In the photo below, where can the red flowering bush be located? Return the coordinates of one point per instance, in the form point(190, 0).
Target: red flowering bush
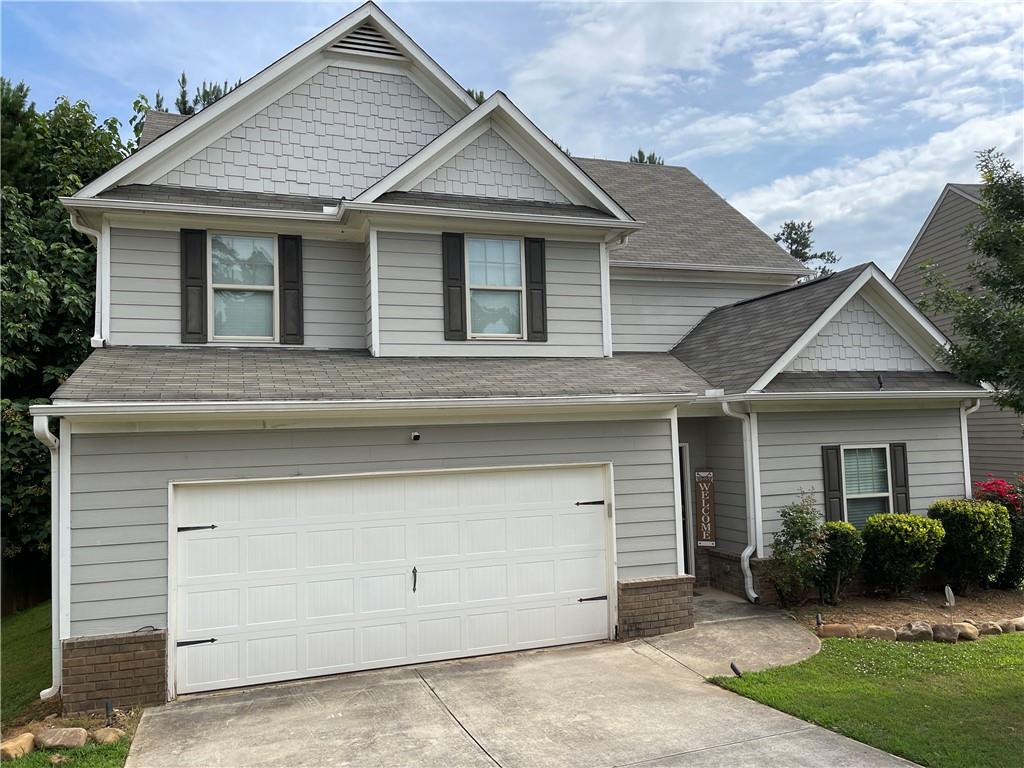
point(1011, 496)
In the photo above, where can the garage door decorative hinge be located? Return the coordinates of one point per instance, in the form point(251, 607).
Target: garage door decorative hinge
point(591, 599)
point(195, 528)
point(590, 503)
point(196, 642)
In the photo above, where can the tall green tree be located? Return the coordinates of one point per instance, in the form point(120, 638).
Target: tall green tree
point(988, 319)
point(646, 157)
point(477, 95)
point(46, 288)
point(205, 95)
point(796, 237)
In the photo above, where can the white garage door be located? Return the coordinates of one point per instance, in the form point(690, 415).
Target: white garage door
point(317, 576)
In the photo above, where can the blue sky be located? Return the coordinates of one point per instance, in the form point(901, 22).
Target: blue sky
point(852, 115)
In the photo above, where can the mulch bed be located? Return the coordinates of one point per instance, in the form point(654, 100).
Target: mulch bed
point(984, 605)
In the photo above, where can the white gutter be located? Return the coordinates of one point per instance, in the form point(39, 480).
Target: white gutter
point(460, 213)
point(41, 429)
point(753, 499)
point(795, 272)
point(151, 408)
point(746, 397)
point(332, 214)
point(79, 226)
point(965, 444)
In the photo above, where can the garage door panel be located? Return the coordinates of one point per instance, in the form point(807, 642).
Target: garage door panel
point(299, 592)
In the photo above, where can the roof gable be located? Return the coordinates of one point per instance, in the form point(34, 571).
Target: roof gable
point(165, 153)
point(498, 115)
point(745, 346)
point(970, 193)
point(490, 167)
point(858, 338)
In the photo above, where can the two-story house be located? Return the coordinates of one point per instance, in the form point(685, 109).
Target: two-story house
point(383, 376)
point(943, 243)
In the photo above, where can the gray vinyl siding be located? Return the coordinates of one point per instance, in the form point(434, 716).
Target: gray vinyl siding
point(145, 290)
point(724, 454)
point(944, 243)
point(145, 287)
point(790, 453)
point(119, 492)
point(653, 315)
point(412, 304)
point(332, 294)
point(996, 440)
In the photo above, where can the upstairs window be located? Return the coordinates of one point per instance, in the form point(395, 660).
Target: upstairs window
point(243, 287)
point(866, 489)
point(495, 282)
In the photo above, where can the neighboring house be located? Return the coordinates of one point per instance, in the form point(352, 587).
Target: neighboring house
point(996, 435)
point(383, 376)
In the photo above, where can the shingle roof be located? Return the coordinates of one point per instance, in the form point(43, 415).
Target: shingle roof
point(733, 345)
point(466, 202)
point(127, 374)
point(685, 222)
point(971, 190)
point(158, 193)
point(157, 124)
point(868, 381)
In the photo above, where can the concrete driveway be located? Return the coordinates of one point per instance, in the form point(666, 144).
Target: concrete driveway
point(603, 704)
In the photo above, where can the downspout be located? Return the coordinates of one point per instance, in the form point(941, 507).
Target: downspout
point(78, 225)
point(752, 527)
point(41, 429)
point(965, 444)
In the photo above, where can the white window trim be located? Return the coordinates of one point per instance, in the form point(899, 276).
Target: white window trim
point(212, 288)
point(888, 476)
point(470, 288)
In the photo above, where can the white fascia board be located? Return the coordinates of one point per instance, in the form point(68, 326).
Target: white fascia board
point(257, 407)
point(794, 272)
point(498, 111)
point(371, 208)
point(915, 324)
point(182, 141)
point(927, 222)
point(755, 397)
point(107, 204)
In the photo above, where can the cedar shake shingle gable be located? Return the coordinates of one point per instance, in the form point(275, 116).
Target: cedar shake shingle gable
point(734, 345)
point(195, 374)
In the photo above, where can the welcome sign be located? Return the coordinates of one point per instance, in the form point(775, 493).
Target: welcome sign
point(705, 512)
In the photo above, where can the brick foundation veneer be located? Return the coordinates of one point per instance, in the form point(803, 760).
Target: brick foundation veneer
point(655, 605)
point(724, 573)
point(127, 670)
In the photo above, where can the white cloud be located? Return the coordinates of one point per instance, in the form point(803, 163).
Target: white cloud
point(862, 201)
point(769, 64)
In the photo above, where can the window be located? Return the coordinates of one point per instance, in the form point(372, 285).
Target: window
point(495, 270)
point(866, 489)
point(243, 283)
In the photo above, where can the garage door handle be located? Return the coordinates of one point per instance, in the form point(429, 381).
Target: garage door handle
point(183, 528)
point(591, 599)
point(196, 642)
point(414, 578)
point(590, 503)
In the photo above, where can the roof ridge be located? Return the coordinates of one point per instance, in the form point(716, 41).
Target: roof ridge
point(798, 286)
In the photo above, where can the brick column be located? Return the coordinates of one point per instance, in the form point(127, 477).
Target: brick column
point(655, 605)
point(127, 670)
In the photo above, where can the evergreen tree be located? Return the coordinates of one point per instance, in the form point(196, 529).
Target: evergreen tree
point(646, 157)
point(795, 237)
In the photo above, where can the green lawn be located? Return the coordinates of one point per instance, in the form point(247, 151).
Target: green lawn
point(946, 706)
point(25, 656)
point(89, 756)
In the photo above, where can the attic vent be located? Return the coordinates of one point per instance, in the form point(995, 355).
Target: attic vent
point(367, 39)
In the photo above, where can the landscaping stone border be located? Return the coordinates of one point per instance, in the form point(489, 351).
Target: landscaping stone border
point(922, 631)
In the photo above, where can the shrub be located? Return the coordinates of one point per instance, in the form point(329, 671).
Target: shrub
point(1010, 496)
point(976, 544)
point(798, 551)
point(899, 550)
point(844, 549)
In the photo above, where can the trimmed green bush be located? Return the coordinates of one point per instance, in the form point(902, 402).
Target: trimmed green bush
point(798, 551)
point(899, 550)
point(844, 549)
point(976, 544)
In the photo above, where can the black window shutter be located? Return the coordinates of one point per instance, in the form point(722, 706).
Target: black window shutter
point(193, 286)
point(900, 478)
point(453, 267)
point(536, 291)
point(831, 461)
point(289, 264)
